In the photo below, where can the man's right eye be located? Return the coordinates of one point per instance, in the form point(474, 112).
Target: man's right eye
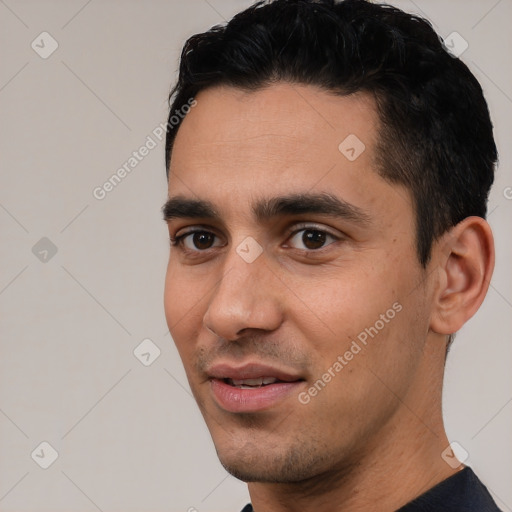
point(196, 241)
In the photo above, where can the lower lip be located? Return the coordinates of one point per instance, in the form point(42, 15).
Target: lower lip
point(233, 399)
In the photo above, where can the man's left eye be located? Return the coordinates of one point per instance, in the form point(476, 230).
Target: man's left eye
point(311, 239)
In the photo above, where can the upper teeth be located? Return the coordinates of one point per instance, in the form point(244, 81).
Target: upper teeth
point(253, 382)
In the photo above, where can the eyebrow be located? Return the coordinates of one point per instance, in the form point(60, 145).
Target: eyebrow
point(268, 209)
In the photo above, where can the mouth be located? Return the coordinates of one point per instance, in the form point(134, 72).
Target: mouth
point(252, 387)
point(252, 383)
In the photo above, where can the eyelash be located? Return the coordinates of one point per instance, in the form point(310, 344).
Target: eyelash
point(177, 241)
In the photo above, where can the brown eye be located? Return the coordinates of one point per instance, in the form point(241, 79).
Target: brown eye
point(198, 241)
point(311, 239)
point(203, 240)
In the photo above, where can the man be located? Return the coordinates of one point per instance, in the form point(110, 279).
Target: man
point(328, 182)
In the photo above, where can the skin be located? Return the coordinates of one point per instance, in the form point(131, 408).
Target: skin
point(374, 433)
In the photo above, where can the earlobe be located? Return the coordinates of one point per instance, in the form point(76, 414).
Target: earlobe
point(465, 260)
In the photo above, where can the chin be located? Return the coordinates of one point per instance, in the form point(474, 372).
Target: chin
point(275, 472)
point(285, 463)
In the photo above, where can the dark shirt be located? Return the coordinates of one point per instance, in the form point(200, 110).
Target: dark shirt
point(462, 492)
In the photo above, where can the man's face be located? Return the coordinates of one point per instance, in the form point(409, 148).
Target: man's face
point(305, 258)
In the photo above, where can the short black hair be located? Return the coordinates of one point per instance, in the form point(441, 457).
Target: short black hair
point(436, 135)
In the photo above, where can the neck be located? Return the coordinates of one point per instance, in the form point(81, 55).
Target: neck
point(394, 467)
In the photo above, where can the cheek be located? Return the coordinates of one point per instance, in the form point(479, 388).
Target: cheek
point(379, 328)
point(371, 305)
point(338, 305)
point(182, 303)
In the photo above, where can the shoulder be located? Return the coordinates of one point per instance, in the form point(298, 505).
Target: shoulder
point(462, 492)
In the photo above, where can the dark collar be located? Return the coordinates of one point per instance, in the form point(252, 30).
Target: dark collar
point(462, 492)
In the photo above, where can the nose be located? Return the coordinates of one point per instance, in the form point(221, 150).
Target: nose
point(246, 297)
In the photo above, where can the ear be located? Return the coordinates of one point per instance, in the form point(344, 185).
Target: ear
point(464, 257)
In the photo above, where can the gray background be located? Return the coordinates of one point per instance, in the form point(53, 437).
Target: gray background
point(129, 437)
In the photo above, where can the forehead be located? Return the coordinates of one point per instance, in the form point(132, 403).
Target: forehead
point(283, 138)
point(291, 121)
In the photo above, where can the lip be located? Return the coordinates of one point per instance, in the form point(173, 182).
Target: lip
point(250, 371)
point(237, 400)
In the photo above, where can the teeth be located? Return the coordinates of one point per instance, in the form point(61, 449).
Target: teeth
point(251, 383)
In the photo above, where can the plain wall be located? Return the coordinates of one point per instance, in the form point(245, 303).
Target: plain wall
point(129, 437)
